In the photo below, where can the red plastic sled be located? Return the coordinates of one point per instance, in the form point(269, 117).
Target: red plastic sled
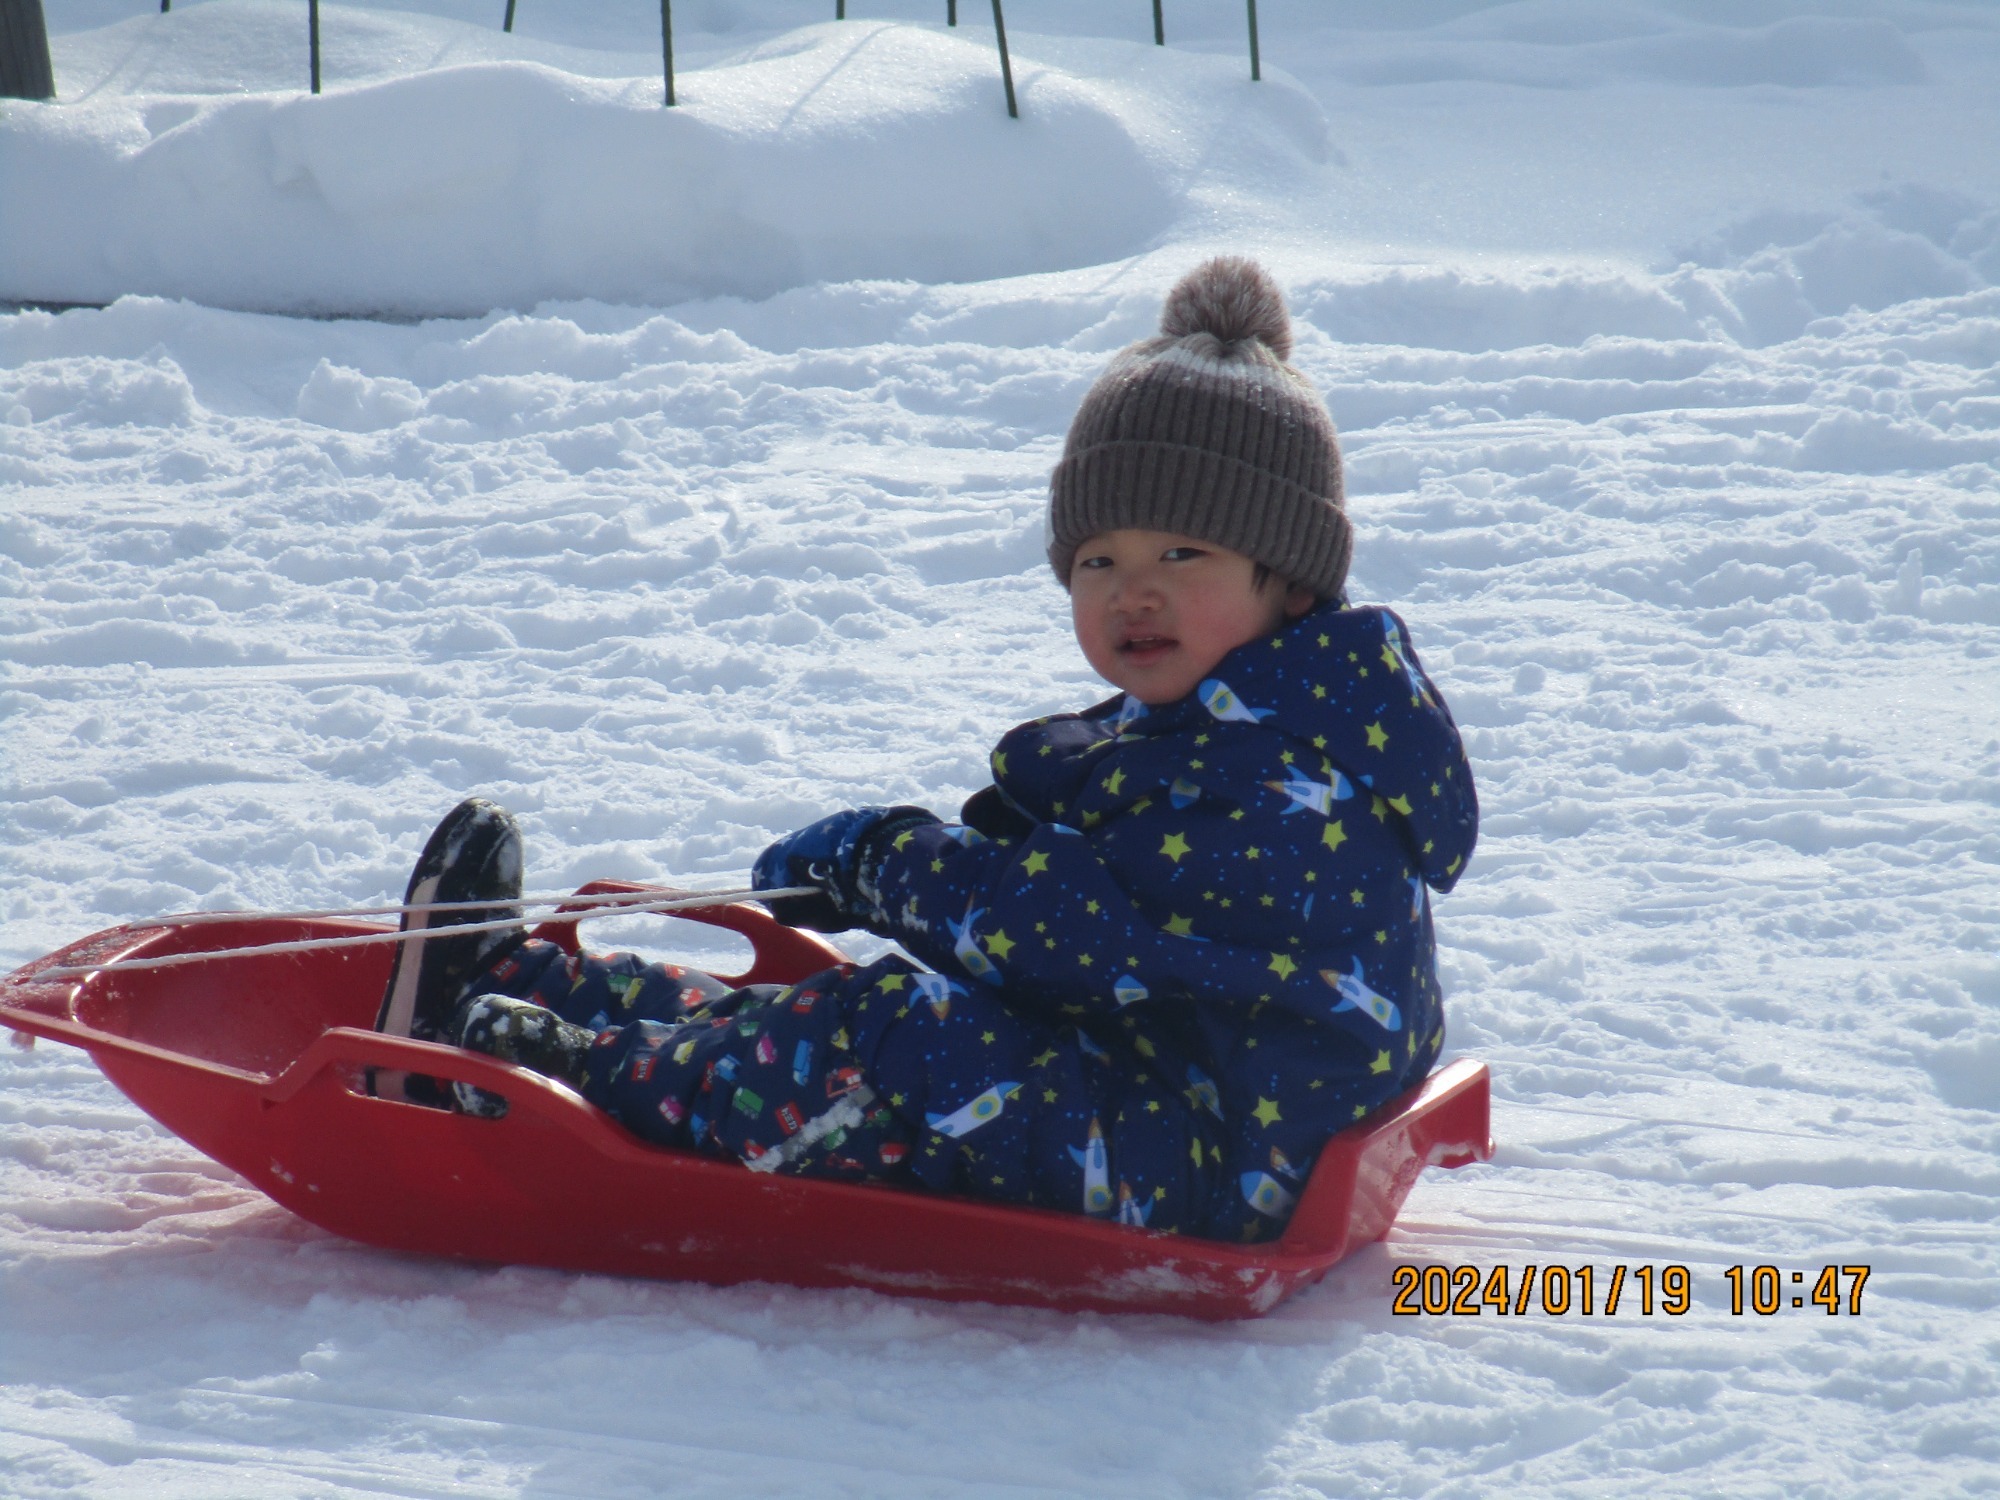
point(256, 1061)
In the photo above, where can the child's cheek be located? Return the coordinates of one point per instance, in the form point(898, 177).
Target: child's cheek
point(1087, 622)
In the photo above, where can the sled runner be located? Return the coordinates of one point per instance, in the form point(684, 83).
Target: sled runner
point(260, 1062)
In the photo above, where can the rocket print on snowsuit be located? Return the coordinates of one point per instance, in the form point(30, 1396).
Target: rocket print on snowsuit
point(1168, 954)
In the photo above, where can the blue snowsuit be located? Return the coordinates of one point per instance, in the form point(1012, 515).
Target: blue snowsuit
point(1170, 952)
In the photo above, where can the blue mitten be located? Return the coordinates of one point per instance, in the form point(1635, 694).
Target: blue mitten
point(837, 855)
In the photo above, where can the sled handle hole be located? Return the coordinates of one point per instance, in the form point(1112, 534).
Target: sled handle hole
point(413, 1091)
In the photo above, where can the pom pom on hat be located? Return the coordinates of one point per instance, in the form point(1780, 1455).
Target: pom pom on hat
point(1205, 431)
point(1232, 299)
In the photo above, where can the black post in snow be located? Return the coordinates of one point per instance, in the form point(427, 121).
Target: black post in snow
point(508, 24)
point(667, 46)
point(840, 10)
point(1006, 67)
point(25, 69)
point(312, 28)
point(1159, 26)
point(165, 6)
point(951, 12)
point(1256, 67)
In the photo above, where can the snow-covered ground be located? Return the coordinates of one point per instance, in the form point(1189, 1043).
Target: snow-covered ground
point(1665, 342)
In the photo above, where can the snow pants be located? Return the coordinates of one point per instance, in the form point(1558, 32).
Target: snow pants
point(887, 1072)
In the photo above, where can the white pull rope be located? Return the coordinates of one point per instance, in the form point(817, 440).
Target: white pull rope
point(310, 945)
point(548, 899)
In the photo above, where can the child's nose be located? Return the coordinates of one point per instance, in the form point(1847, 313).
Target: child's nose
point(1136, 591)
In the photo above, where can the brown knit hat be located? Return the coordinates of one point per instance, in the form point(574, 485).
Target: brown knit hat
point(1207, 432)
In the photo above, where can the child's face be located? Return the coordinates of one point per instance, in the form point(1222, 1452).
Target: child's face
point(1154, 612)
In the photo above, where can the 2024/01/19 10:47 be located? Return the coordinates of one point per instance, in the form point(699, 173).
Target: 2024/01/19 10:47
point(1463, 1291)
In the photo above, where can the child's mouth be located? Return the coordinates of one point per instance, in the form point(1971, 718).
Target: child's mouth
point(1147, 648)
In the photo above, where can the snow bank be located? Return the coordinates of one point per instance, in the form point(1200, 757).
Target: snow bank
point(866, 149)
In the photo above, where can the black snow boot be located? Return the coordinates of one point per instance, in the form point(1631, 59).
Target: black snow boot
point(474, 854)
point(520, 1032)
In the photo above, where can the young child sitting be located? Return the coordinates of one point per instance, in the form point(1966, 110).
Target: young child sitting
point(1181, 940)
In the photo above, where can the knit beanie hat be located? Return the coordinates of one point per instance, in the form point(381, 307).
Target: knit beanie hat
point(1206, 431)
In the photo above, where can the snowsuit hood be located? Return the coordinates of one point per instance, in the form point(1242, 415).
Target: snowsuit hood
point(1344, 685)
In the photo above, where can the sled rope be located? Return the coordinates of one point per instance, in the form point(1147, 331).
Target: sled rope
point(549, 899)
point(313, 945)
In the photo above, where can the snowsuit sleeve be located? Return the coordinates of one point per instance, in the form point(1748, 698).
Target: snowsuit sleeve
point(1039, 912)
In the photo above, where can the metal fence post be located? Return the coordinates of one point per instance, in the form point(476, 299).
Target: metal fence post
point(1159, 26)
point(312, 30)
point(508, 24)
point(1256, 68)
point(1006, 67)
point(667, 45)
point(25, 69)
point(951, 12)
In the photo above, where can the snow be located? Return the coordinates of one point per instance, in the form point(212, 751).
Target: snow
point(684, 481)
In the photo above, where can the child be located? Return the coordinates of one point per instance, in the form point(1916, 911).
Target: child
point(1181, 940)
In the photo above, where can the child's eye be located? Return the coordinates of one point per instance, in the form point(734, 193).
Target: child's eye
point(1093, 562)
point(1182, 554)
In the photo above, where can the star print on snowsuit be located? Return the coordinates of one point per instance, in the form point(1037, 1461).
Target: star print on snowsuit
point(1170, 952)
